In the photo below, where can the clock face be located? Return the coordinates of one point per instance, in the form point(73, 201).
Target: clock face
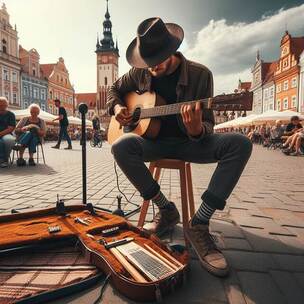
point(284, 50)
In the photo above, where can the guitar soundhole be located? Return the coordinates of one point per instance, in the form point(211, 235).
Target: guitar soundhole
point(135, 121)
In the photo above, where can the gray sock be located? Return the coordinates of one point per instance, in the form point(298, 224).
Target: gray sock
point(203, 214)
point(161, 201)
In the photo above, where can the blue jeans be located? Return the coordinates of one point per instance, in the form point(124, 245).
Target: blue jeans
point(29, 140)
point(231, 151)
point(64, 133)
point(6, 143)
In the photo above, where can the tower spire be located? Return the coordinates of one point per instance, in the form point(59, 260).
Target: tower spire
point(97, 44)
point(107, 43)
point(107, 15)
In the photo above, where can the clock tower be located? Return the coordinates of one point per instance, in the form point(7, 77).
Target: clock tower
point(107, 66)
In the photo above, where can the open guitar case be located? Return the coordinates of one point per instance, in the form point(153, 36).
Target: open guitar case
point(38, 265)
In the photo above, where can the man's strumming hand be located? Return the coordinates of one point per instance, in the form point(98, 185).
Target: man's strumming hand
point(122, 115)
point(192, 118)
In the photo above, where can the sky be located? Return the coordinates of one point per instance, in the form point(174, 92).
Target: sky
point(224, 35)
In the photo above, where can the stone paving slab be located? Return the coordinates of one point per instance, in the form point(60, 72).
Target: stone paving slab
point(261, 230)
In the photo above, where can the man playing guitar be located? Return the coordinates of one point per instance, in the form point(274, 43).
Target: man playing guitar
point(157, 66)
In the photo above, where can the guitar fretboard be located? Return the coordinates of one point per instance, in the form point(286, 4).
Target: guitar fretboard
point(169, 109)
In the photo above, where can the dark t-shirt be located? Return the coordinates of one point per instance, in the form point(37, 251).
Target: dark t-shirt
point(7, 120)
point(291, 126)
point(63, 122)
point(166, 87)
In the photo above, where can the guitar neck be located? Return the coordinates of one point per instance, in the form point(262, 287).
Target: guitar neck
point(172, 109)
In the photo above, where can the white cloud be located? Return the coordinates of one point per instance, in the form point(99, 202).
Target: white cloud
point(229, 50)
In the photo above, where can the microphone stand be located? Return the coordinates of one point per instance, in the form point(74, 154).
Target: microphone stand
point(83, 109)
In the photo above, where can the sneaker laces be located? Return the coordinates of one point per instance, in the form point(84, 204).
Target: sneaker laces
point(207, 240)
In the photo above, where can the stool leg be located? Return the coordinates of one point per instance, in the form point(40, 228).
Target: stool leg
point(145, 205)
point(190, 189)
point(157, 174)
point(183, 186)
point(42, 153)
point(37, 154)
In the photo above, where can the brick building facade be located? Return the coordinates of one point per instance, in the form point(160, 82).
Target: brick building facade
point(9, 61)
point(34, 87)
point(59, 86)
point(107, 67)
point(287, 73)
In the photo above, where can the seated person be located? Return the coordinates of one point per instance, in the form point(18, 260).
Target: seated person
point(31, 131)
point(294, 143)
point(7, 126)
point(277, 130)
point(293, 126)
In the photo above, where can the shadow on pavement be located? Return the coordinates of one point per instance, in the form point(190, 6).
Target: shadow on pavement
point(251, 279)
point(39, 169)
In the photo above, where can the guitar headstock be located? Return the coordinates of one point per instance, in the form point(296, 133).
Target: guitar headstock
point(233, 102)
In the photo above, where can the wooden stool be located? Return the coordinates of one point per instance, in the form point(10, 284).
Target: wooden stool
point(185, 186)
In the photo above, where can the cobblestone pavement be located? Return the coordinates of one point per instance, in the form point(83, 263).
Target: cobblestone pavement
point(261, 230)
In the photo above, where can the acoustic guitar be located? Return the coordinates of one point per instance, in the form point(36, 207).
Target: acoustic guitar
point(147, 108)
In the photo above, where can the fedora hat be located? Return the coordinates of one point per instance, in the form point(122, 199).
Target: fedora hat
point(155, 42)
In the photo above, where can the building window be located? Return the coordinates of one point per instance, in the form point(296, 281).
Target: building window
point(14, 76)
point(279, 88)
point(285, 103)
point(106, 81)
point(14, 98)
point(7, 95)
point(25, 105)
point(279, 104)
point(43, 107)
point(294, 101)
point(285, 63)
point(51, 108)
point(4, 48)
point(294, 82)
point(271, 106)
point(35, 93)
point(285, 85)
point(5, 74)
point(43, 94)
point(271, 92)
point(25, 91)
point(51, 94)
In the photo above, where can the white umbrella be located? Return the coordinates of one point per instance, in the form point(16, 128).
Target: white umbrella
point(74, 120)
point(248, 120)
point(47, 117)
point(271, 115)
point(222, 125)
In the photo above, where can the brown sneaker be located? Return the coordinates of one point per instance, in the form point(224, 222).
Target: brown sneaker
point(164, 221)
point(204, 246)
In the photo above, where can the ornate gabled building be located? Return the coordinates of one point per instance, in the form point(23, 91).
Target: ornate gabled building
point(259, 72)
point(9, 61)
point(301, 84)
point(268, 87)
point(287, 73)
point(34, 87)
point(107, 67)
point(59, 86)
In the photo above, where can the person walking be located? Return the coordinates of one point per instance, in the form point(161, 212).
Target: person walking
point(64, 123)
